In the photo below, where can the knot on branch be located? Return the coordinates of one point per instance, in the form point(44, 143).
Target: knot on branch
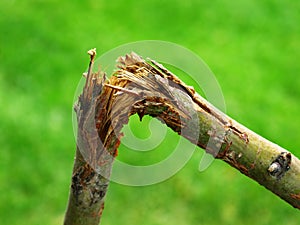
point(280, 165)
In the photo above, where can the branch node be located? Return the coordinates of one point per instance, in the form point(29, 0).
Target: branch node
point(280, 165)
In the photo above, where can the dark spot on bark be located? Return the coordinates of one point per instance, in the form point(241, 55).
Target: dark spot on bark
point(280, 165)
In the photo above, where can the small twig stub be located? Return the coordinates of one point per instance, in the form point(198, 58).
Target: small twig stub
point(280, 165)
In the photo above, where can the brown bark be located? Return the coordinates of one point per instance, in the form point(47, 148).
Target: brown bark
point(147, 88)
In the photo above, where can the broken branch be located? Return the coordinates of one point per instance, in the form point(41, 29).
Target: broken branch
point(147, 88)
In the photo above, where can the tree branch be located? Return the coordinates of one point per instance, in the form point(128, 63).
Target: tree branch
point(147, 88)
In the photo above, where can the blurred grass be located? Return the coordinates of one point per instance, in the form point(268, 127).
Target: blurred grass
point(252, 47)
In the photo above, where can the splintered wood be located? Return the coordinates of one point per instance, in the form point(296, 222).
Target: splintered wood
point(147, 88)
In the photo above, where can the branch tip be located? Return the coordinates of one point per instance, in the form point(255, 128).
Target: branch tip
point(92, 53)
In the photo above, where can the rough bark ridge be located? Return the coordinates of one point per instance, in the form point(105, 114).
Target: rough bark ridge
point(147, 88)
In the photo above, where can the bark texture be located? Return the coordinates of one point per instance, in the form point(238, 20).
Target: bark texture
point(147, 88)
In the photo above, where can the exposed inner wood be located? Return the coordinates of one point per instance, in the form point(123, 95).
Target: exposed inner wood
point(147, 88)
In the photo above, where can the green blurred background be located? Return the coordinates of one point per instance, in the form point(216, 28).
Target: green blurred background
point(253, 47)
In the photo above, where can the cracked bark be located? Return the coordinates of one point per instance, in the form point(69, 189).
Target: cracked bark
point(147, 88)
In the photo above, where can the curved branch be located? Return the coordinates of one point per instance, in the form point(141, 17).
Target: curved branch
point(147, 88)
